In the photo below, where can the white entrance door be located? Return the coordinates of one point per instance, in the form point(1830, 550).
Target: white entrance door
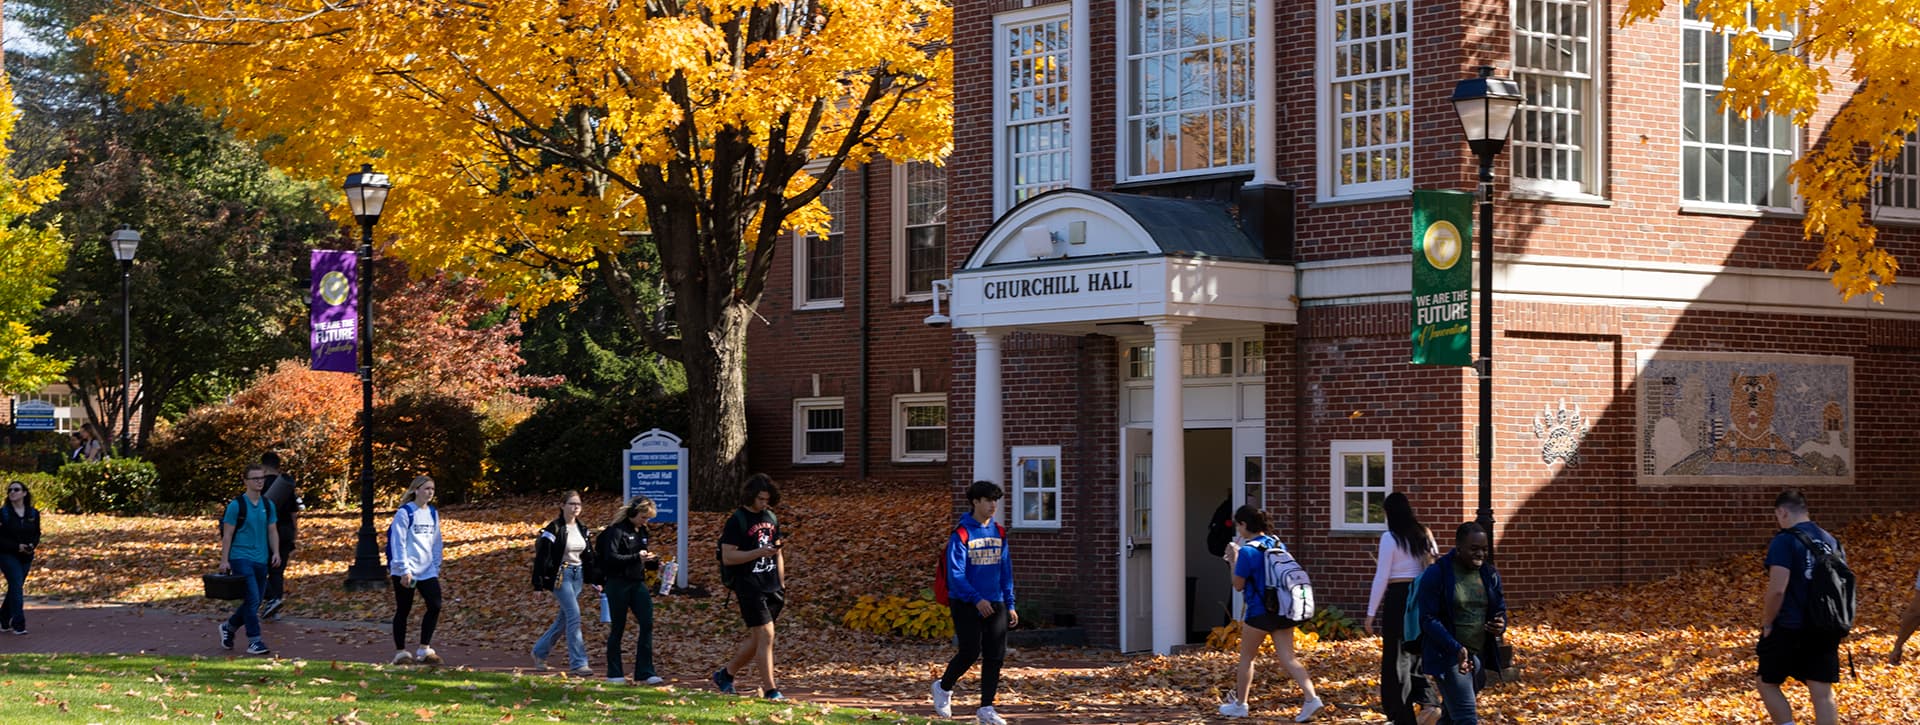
point(1249, 479)
point(1136, 492)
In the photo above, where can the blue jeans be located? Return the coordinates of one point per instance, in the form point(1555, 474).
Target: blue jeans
point(13, 615)
point(1457, 692)
point(249, 611)
point(566, 588)
point(624, 595)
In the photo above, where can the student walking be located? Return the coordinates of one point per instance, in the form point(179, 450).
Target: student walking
point(624, 558)
point(1463, 612)
point(750, 545)
point(980, 594)
point(286, 501)
point(19, 536)
point(562, 564)
point(1787, 646)
point(413, 559)
point(1250, 579)
point(1406, 549)
point(248, 546)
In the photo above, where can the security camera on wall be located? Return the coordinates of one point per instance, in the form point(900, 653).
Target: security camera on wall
point(938, 320)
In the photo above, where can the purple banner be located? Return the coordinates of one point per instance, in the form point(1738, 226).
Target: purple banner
point(335, 331)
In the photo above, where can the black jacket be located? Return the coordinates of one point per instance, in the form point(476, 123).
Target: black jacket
point(285, 503)
point(550, 549)
point(620, 549)
point(16, 530)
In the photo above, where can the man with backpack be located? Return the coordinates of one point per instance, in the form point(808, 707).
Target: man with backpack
point(1807, 610)
point(249, 545)
point(979, 587)
point(286, 502)
point(751, 565)
point(1463, 612)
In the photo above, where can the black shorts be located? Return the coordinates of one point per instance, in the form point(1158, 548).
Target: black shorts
point(1798, 654)
point(1269, 622)
point(758, 608)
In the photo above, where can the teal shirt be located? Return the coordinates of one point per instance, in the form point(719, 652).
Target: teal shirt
point(250, 541)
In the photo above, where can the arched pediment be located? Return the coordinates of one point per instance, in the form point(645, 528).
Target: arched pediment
point(1074, 224)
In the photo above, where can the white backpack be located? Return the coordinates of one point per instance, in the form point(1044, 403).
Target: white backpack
point(1287, 591)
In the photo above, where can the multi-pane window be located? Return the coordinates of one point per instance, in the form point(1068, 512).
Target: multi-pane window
point(1032, 74)
point(920, 427)
point(1202, 359)
point(819, 430)
point(924, 229)
point(820, 273)
point(1189, 81)
point(1725, 159)
point(1036, 486)
point(1362, 473)
point(1369, 67)
point(1897, 189)
point(1556, 136)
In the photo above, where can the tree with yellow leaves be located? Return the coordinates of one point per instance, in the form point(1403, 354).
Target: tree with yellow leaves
point(30, 256)
point(543, 144)
point(1879, 41)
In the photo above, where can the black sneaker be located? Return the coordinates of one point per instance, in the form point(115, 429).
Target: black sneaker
point(270, 608)
point(226, 636)
point(774, 695)
point(258, 648)
point(723, 681)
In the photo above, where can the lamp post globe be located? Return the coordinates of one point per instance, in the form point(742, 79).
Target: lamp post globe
point(125, 242)
point(1486, 106)
point(366, 192)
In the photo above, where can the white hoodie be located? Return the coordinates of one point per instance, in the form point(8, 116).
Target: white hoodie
point(413, 542)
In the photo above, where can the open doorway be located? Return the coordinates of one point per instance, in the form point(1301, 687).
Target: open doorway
point(1210, 476)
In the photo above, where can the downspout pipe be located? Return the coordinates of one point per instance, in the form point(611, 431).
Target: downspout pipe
point(866, 321)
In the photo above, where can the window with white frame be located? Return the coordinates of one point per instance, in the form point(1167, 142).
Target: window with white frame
point(1556, 136)
point(1036, 486)
point(920, 427)
point(1362, 473)
point(1896, 192)
point(819, 430)
point(1726, 160)
point(1033, 52)
point(920, 211)
point(819, 269)
point(1367, 117)
point(1188, 86)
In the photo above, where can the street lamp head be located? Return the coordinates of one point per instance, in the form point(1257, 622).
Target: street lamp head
point(125, 241)
point(1486, 106)
point(367, 194)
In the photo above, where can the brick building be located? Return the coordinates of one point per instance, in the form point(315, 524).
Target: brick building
point(1155, 206)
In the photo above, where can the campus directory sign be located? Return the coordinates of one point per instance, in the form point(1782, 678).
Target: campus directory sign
point(33, 415)
point(655, 466)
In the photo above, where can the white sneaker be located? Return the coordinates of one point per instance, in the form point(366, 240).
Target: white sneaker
point(654, 680)
point(1307, 709)
point(616, 680)
point(1234, 709)
point(987, 716)
point(942, 701)
point(402, 657)
point(426, 655)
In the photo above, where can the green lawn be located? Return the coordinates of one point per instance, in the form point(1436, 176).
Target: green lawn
point(113, 688)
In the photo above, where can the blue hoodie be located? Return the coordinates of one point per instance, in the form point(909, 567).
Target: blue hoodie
point(980, 568)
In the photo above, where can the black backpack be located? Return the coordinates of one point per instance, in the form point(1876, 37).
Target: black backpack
point(240, 519)
point(1829, 607)
point(728, 573)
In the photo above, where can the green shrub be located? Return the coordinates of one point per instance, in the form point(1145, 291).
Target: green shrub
point(575, 442)
point(115, 485)
point(50, 493)
point(437, 435)
point(41, 451)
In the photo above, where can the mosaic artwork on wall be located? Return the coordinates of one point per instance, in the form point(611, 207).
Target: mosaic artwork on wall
point(1744, 418)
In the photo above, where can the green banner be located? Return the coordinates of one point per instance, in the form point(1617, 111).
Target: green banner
point(1442, 278)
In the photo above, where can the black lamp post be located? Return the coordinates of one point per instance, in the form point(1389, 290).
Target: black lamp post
point(125, 242)
point(366, 195)
point(1486, 106)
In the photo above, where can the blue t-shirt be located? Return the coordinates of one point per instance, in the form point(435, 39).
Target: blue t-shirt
point(250, 541)
point(1787, 551)
point(1251, 565)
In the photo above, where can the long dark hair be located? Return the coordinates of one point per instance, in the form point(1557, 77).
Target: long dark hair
point(26, 499)
point(1408, 533)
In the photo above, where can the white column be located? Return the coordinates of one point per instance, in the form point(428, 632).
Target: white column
point(1080, 95)
point(988, 411)
point(1264, 147)
point(1169, 517)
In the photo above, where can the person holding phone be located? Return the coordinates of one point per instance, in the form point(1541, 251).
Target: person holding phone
point(749, 544)
point(1463, 613)
point(414, 548)
point(19, 536)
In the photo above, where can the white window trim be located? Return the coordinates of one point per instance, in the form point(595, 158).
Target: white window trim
point(900, 405)
point(1124, 12)
point(1899, 213)
point(900, 251)
point(1679, 118)
point(799, 244)
point(1336, 488)
point(800, 408)
point(1018, 514)
point(1593, 185)
point(1076, 67)
point(1325, 154)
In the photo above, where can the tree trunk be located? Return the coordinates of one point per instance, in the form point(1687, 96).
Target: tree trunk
point(717, 445)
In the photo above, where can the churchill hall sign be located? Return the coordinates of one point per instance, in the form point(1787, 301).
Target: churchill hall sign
point(1058, 284)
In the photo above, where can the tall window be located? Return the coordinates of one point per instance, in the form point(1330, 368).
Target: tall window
point(921, 207)
point(1368, 118)
point(1897, 193)
point(920, 427)
point(1189, 86)
point(1556, 138)
point(1362, 473)
point(1034, 55)
point(819, 430)
point(1036, 486)
point(819, 270)
point(1724, 159)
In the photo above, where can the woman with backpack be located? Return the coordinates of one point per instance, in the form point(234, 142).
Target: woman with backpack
point(1406, 549)
point(413, 559)
point(623, 558)
point(1249, 578)
point(562, 560)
